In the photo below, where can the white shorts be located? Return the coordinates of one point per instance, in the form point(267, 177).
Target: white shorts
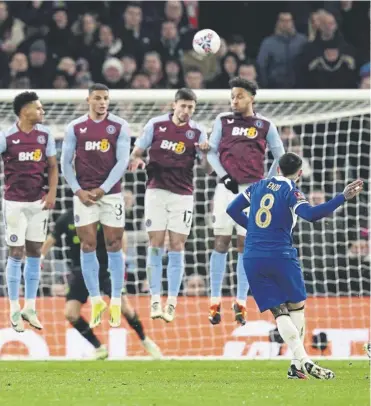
point(24, 221)
point(165, 210)
point(109, 211)
point(222, 223)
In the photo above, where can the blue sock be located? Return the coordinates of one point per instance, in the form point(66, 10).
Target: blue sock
point(242, 283)
point(31, 277)
point(90, 272)
point(116, 266)
point(13, 277)
point(175, 270)
point(218, 263)
point(154, 269)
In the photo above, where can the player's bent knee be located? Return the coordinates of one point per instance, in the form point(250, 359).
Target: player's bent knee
point(16, 252)
point(33, 249)
point(221, 243)
point(113, 245)
point(280, 310)
point(294, 307)
point(71, 315)
point(88, 245)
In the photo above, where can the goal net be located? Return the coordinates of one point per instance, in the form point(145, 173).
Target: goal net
point(330, 129)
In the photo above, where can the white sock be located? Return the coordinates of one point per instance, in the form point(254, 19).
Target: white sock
point(291, 337)
point(155, 299)
point(14, 306)
point(95, 299)
point(30, 304)
point(298, 319)
point(241, 302)
point(115, 301)
point(171, 300)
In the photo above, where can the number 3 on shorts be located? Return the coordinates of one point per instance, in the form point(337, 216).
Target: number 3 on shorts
point(187, 217)
point(118, 211)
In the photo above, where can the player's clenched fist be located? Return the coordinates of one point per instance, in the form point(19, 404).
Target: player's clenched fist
point(97, 193)
point(86, 197)
point(353, 189)
point(136, 163)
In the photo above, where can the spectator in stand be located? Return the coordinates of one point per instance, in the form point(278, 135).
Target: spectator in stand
point(62, 80)
point(141, 80)
point(169, 45)
point(247, 71)
point(40, 70)
point(112, 72)
point(18, 68)
point(237, 45)
point(277, 55)
point(67, 66)
point(328, 61)
point(175, 12)
point(11, 30)
point(152, 65)
point(194, 79)
point(129, 65)
point(60, 38)
point(229, 69)
point(132, 31)
point(173, 74)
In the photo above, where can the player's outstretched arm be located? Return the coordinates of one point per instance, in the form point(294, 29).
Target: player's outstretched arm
point(68, 153)
point(141, 145)
point(51, 153)
point(236, 209)
point(122, 158)
point(315, 213)
point(213, 157)
point(275, 145)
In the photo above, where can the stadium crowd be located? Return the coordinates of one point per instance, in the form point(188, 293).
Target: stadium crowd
point(148, 45)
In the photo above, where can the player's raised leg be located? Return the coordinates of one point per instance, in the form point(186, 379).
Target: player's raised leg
point(116, 265)
point(16, 223)
point(90, 265)
point(134, 322)
point(239, 307)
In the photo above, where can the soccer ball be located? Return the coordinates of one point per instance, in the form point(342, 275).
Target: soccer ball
point(206, 42)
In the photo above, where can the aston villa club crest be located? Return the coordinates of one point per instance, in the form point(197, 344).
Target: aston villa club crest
point(111, 129)
point(258, 123)
point(190, 134)
point(41, 139)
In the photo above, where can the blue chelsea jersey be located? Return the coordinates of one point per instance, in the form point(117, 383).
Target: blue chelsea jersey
point(272, 217)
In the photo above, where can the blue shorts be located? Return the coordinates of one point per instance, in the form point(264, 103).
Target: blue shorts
point(274, 281)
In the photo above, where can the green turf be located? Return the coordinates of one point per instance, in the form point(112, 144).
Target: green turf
point(178, 383)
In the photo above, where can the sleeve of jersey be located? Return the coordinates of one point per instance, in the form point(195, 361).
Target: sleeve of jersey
point(201, 140)
point(276, 147)
point(145, 140)
point(50, 146)
point(68, 152)
point(236, 208)
point(212, 155)
point(2, 142)
point(122, 157)
point(314, 213)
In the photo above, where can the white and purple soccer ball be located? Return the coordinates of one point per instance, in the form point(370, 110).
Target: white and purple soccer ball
point(206, 42)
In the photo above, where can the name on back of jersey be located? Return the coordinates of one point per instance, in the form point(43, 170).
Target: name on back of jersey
point(274, 186)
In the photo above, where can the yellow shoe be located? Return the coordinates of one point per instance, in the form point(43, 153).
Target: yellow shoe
point(115, 311)
point(97, 310)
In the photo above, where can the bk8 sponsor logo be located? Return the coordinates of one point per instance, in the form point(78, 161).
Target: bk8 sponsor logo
point(177, 147)
point(251, 132)
point(35, 156)
point(102, 145)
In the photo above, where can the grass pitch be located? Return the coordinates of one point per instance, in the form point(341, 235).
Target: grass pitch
point(178, 383)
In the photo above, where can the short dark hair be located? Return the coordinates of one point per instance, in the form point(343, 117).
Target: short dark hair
point(193, 69)
point(22, 99)
point(289, 163)
point(98, 86)
point(185, 94)
point(248, 85)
